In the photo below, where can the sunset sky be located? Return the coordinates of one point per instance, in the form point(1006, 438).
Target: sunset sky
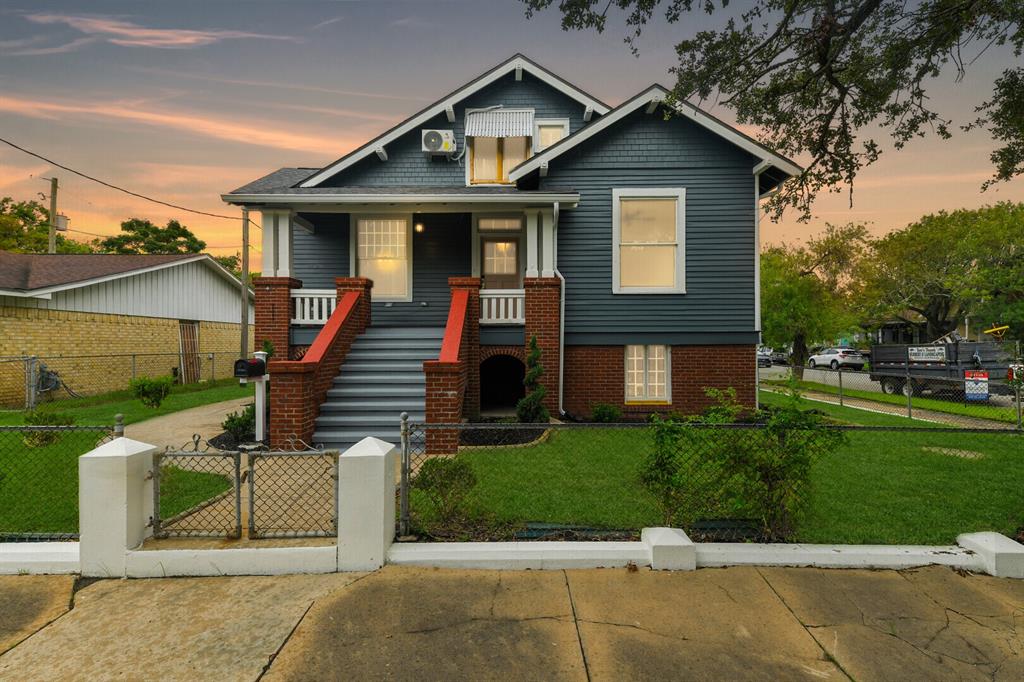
point(186, 100)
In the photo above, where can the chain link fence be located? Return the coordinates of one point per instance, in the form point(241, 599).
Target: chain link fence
point(197, 494)
point(27, 382)
point(39, 479)
point(293, 494)
point(721, 483)
point(977, 400)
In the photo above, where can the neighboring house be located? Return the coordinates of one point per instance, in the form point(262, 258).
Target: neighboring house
point(70, 305)
point(625, 239)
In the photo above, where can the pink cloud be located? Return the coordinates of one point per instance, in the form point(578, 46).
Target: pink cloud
point(120, 32)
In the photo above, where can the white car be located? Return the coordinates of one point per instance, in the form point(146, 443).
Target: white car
point(834, 358)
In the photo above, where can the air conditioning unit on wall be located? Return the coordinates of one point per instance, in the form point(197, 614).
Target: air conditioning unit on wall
point(438, 141)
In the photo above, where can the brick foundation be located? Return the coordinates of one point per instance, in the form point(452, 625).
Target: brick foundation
point(596, 374)
point(543, 307)
point(517, 352)
point(274, 311)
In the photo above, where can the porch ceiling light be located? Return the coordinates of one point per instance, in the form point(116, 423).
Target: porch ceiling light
point(419, 227)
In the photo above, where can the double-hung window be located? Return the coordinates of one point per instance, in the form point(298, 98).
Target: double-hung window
point(648, 241)
point(383, 255)
point(647, 373)
point(493, 157)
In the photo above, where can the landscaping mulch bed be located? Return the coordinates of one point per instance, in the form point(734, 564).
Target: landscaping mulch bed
point(513, 435)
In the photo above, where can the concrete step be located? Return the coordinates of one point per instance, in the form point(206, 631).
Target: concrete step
point(373, 406)
point(354, 435)
point(380, 377)
point(361, 366)
point(373, 332)
point(426, 345)
point(397, 394)
point(387, 355)
point(365, 421)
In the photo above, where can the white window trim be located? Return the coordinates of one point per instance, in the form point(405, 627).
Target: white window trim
point(354, 219)
point(538, 122)
point(679, 193)
point(667, 400)
point(469, 152)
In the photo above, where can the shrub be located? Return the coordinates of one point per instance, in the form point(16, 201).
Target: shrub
point(151, 392)
point(446, 481)
point(268, 348)
point(38, 439)
point(242, 425)
point(604, 413)
point(530, 409)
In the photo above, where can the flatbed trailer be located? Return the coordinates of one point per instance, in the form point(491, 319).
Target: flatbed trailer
point(940, 367)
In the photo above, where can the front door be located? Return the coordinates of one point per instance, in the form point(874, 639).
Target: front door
point(500, 260)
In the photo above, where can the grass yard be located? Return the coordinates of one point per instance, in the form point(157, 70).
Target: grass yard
point(39, 485)
point(977, 411)
point(100, 409)
point(883, 487)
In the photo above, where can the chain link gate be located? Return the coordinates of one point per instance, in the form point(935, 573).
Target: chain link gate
point(293, 494)
point(197, 493)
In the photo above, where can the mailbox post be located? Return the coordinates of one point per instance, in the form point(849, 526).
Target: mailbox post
point(255, 369)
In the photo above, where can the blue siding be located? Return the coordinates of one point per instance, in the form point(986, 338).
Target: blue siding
point(503, 335)
point(407, 165)
point(320, 257)
point(647, 151)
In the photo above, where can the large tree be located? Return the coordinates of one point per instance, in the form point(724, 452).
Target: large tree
point(25, 228)
point(820, 77)
point(142, 236)
point(806, 290)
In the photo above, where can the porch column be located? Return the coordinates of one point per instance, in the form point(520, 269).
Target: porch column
point(543, 307)
point(547, 219)
point(277, 243)
point(471, 338)
point(531, 243)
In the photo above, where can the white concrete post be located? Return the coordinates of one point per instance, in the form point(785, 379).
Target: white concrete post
point(547, 218)
point(670, 549)
point(261, 400)
point(366, 504)
point(531, 243)
point(115, 502)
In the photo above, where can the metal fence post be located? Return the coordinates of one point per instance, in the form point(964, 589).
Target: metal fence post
point(1020, 422)
point(840, 386)
point(252, 496)
point(157, 531)
point(238, 494)
point(118, 425)
point(908, 389)
point(403, 494)
point(30, 382)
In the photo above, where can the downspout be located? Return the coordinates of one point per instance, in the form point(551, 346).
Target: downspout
point(758, 169)
point(561, 315)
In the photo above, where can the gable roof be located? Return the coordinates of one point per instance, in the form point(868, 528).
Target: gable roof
point(33, 274)
point(516, 62)
point(657, 94)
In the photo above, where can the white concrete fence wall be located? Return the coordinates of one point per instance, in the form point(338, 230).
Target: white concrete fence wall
point(116, 508)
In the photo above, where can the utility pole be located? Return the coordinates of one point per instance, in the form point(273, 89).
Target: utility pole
point(53, 216)
point(245, 282)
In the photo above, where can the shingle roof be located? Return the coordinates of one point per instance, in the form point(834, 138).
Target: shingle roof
point(276, 184)
point(30, 271)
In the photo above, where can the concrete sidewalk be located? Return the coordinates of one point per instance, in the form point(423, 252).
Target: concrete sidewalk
point(176, 429)
point(403, 623)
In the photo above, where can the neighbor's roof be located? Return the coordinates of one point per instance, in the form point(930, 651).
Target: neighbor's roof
point(34, 273)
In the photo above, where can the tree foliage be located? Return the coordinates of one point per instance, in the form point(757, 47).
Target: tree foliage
point(806, 290)
point(142, 236)
point(816, 76)
point(25, 228)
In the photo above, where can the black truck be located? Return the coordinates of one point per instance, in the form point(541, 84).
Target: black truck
point(949, 366)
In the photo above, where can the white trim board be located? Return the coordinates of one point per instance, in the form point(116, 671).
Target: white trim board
point(285, 200)
point(655, 95)
point(517, 63)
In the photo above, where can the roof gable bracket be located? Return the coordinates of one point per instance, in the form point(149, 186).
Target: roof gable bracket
point(588, 113)
point(449, 111)
point(544, 169)
point(381, 153)
point(519, 72)
point(652, 105)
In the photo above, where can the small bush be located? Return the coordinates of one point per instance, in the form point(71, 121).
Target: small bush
point(531, 409)
point(242, 425)
point(38, 439)
point(151, 392)
point(268, 348)
point(605, 413)
point(446, 481)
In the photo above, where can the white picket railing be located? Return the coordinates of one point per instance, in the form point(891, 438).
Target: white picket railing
point(502, 306)
point(313, 306)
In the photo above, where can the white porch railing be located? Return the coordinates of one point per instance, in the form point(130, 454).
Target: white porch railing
point(313, 306)
point(502, 306)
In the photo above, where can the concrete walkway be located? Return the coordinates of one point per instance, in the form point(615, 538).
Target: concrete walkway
point(176, 429)
point(403, 623)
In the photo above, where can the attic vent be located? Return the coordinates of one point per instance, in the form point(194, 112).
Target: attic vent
point(500, 123)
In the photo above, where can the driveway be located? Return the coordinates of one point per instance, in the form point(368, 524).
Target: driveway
point(404, 623)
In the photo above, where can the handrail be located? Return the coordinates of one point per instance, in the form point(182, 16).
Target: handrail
point(326, 337)
point(452, 343)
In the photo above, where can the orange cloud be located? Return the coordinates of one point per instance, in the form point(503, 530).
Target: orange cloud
point(125, 33)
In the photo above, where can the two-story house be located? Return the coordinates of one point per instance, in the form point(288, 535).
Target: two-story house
point(410, 274)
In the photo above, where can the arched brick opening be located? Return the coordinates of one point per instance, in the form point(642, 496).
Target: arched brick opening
point(501, 382)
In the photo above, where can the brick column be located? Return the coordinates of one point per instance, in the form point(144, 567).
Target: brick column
point(363, 285)
point(293, 406)
point(470, 344)
point(445, 383)
point(543, 305)
point(274, 312)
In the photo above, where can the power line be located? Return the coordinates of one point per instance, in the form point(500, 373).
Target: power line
point(121, 189)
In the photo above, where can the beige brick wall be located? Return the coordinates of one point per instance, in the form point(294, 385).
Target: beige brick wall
point(56, 335)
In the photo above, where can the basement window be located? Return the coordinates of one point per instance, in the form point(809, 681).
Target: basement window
point(647, 372)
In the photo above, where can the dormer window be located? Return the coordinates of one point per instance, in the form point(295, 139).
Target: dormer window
point(498, 140)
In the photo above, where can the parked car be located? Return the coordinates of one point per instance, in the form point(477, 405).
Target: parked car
point(834, 358)
point(764, 357)
point(780, 357)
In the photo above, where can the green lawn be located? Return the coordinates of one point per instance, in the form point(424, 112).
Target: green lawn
point(978, 411)
point(100, 409)
point(880, 487)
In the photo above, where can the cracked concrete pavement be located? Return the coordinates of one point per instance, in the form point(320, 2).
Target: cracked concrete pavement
point(405, 623)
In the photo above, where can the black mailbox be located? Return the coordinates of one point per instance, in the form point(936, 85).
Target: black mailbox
point(253, 367)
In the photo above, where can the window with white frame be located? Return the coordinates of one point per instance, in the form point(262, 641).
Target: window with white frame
point(382, 254)
point(509, 224)
point(648, 230)
point(493, 157)
point(547, 131)
point(647, 374)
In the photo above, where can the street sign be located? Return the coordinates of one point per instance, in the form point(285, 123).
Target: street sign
point(976, 384)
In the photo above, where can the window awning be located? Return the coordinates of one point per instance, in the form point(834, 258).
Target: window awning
point(500, 123)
